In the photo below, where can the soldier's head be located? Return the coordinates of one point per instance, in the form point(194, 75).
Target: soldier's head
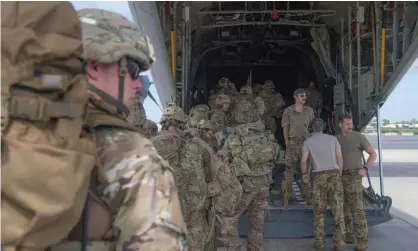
point(173, 119)
point(115, 51)
point(223, 102)
point(196, 114)
point(346, 123)
point(300, 96)
point(151, 128)
point(317, 125)
point(269, 85)
point(206, 130)
point(222, 84)
point(232, 89)
point(247, 90)
point(312, 84)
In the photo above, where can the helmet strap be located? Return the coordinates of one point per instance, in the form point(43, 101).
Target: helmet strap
point(123, 69)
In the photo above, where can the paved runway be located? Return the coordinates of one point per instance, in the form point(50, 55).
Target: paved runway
point(395, 142)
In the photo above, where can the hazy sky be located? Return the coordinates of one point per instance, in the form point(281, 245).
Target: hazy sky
point(401, 105)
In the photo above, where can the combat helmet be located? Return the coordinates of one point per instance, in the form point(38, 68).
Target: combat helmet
point(222, 98)
point(110, 38)
point(247, 90)
point(269, 85)
point(223, 84)
point(173, 112)
point(205, 124)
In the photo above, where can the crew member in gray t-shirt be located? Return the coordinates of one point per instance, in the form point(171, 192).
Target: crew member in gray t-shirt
point(324, 152)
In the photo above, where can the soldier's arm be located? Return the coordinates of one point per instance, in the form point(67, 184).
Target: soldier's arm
point(285, 125)
point(338, 154)
point(142, 189)
point(366, 146)
point(304, 158)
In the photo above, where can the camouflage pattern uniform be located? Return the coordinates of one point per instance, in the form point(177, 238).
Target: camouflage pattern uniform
point(274, 103)
point(296, 124)
point(219, 118)
point(252, 151)
point(150, 128)
point(191, 163)
point(328, 191)
point(146, 213)
point(221, 88)
point(198, 113)
point(352, 146)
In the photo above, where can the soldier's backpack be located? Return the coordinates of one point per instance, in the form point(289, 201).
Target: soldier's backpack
point(224, 188)
point(168, 145)
point(197, 114)
point(188, 174)
point(241, 110)
point(46, 159)
point(259, 149)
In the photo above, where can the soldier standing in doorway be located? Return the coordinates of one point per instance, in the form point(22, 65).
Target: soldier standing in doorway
point(352, 145)
point(314, 100)
point(324, 153)
point(295, 121)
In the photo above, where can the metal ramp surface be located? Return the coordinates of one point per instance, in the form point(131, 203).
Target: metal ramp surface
point(297, 220)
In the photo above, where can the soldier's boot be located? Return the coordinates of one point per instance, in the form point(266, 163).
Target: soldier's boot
point(350, 239)
point(361, 246)
point(319, 245)
point(338, 246)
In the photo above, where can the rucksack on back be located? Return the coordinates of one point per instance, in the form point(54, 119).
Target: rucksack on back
point(198, 113)
point(224, 188)
point(258, 151)
point(46, 159)
point(168, 145)
point(242, 109)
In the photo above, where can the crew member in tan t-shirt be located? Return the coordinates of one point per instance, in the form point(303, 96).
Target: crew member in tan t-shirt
point(295, 122)
point(352, 146)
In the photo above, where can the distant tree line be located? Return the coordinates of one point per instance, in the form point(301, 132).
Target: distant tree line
point(411, 122)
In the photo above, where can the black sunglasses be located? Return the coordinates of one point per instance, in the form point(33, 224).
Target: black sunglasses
point(133, 68)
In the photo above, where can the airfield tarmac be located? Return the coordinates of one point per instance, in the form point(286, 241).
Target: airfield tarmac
point(400, 168)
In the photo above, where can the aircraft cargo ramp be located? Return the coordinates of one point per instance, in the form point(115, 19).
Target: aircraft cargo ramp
point(395, 235)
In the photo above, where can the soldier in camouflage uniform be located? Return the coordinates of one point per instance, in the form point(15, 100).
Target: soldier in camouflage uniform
point(352, 145)
point(197, 113)
point(219, 117)
point(314, 100)
point(140, 185)
point(221, 88)
point(324, 152)
point(150, 128)
point(252, 151)
point(295, 122)
point(257, 89)
point(190, 161)
point(274, 103)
